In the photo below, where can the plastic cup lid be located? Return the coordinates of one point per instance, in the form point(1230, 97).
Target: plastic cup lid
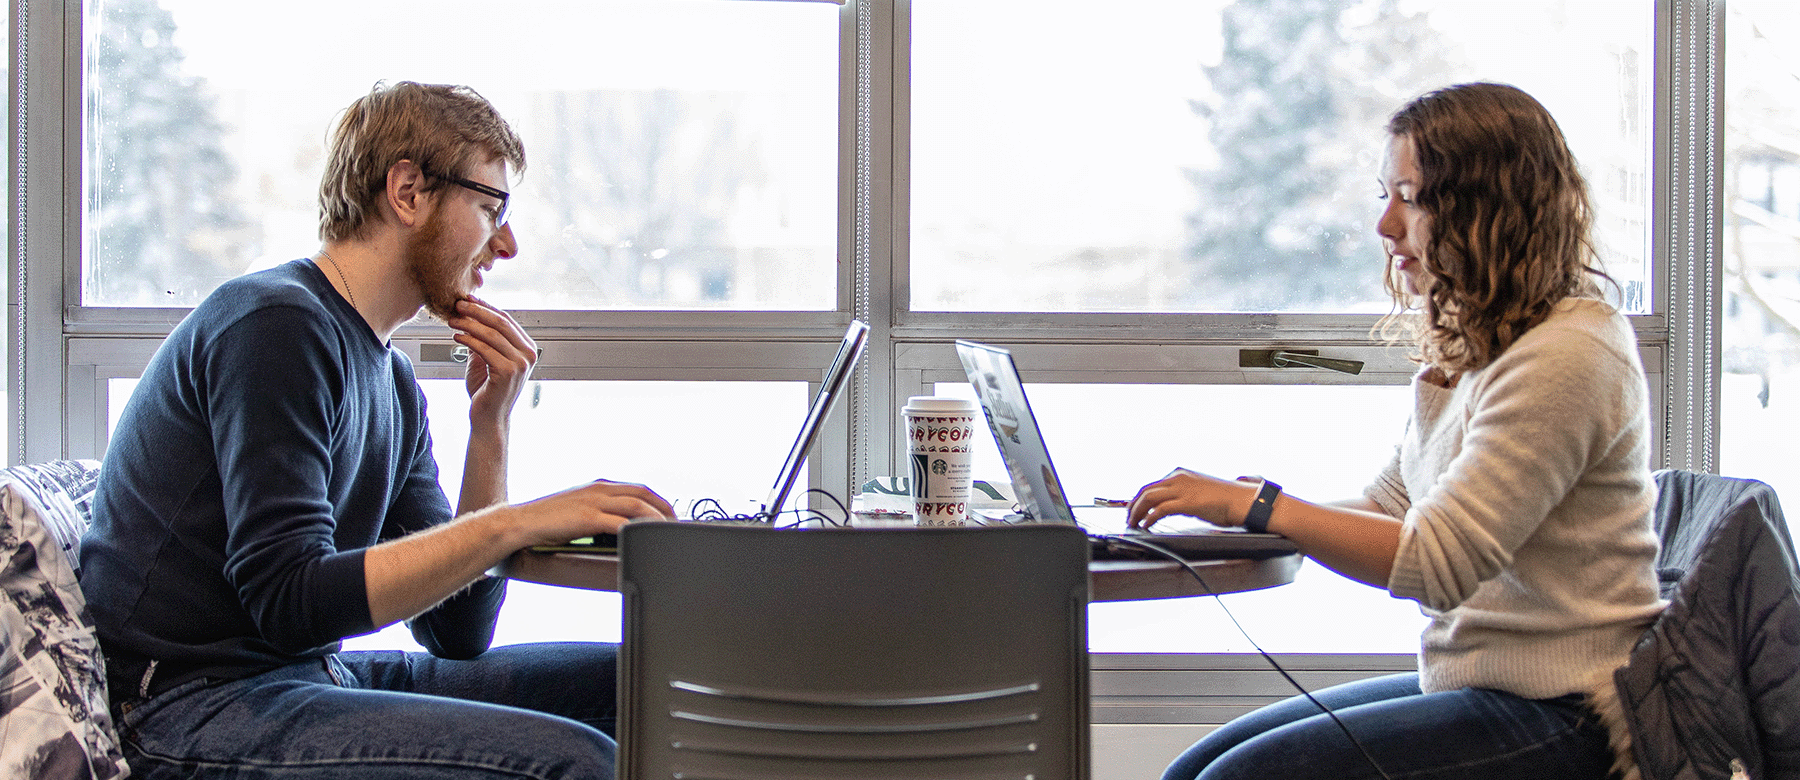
point(939, 403)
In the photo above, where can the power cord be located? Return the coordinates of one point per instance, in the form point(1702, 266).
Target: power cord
point(708, 510)
point(1176, 557)
point(802, 516)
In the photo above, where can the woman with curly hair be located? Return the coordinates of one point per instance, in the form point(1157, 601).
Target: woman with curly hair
point(1517, 507)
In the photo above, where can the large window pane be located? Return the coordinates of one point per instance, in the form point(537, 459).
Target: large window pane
point(1174, 155)
point(686, 440)
point(1759, 393)
point(682, 153)
point(1109, 440)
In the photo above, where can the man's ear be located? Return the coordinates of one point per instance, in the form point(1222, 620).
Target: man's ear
point(406, 193)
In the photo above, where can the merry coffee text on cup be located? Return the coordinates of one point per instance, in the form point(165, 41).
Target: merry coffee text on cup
point(934, 433)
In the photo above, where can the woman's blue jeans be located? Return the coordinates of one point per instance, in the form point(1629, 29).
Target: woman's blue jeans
point(521, 711)
point(1466, 733)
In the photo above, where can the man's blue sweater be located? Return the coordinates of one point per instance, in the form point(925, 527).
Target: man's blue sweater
point(272, 439)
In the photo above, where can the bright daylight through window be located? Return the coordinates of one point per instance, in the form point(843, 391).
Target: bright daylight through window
point(1759, 394)
point(1213, 156)
point(681, 154)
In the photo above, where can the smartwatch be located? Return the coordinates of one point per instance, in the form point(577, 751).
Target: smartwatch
point(1256, 521)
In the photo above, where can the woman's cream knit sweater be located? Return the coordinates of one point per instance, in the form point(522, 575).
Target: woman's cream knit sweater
point(1526, 495)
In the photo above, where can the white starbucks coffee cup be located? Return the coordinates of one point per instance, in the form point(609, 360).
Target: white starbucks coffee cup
point(940, 431)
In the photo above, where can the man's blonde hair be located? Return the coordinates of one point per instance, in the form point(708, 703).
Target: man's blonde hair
point(444, 129)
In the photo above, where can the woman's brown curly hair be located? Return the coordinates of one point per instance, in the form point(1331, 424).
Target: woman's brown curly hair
point(1511, 225)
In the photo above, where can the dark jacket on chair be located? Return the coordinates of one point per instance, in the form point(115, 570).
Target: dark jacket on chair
point(1713, 688)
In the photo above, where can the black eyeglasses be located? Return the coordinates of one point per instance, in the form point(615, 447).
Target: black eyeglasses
point(505, 197)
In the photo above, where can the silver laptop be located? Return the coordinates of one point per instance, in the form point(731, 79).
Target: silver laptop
point(1040, 493)
point(837, 380)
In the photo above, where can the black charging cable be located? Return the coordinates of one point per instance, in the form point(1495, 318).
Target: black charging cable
point(708, 510)
point(809, 514)
point(1176, 557)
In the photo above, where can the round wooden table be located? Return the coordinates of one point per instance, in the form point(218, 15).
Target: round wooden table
point(1108, 580)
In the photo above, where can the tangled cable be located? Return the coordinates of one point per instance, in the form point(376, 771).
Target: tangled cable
point(708, 510)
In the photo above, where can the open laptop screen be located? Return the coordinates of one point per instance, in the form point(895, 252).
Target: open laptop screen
point(830, 390)
point(1002, 396)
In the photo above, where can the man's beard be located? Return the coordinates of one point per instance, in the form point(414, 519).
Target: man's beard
point(437, 270)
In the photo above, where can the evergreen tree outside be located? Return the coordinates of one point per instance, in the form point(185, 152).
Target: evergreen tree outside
point(161, 228)
point(1296, 106)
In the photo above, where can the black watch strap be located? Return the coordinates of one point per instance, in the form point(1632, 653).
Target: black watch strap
point(1256, 520)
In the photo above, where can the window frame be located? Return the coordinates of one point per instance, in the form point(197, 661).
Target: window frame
point(874, 39)
point(65, 352)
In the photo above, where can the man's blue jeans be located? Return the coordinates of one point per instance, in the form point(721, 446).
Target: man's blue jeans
point(521, 711)
point(1465, 733)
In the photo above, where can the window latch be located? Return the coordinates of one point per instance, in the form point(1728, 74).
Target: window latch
point(1296, 358)
point(444, 353)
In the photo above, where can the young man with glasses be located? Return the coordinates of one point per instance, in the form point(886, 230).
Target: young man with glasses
point(270, 489)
